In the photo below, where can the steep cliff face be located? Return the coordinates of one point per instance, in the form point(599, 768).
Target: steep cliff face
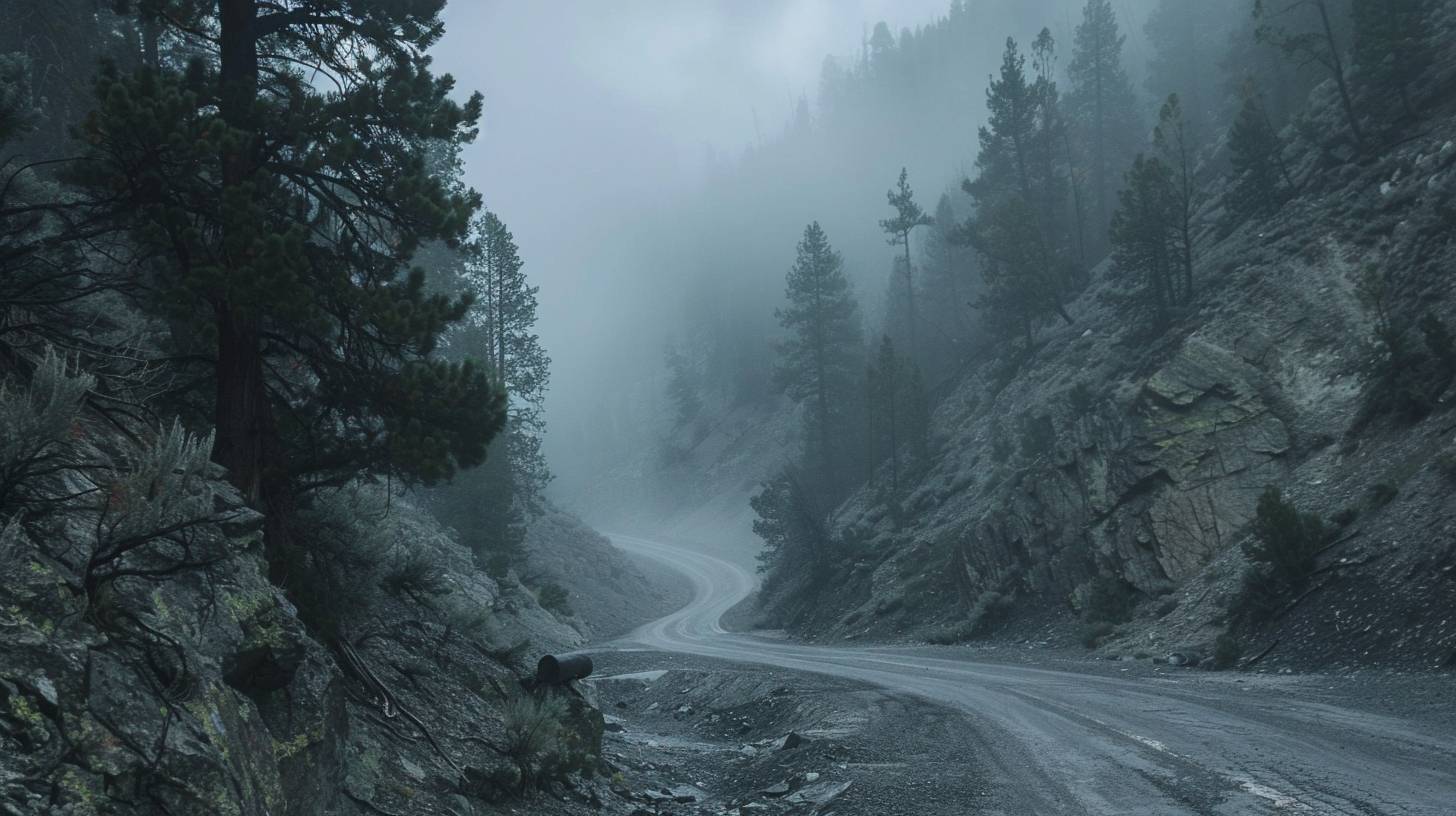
point(1109, 454)
point(191, 685)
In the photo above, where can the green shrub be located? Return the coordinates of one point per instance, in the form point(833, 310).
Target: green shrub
point(1382, 494)
point(498, 566)
point(553, 597)
point(1080, 399)
point(1283, 550)
point(341, 539)
point(1285, 539)
point(1226, 651)
point(1092, 634)
point(1260, 595)
point(1446, 464)
point(38, 429)
point(467, 619)
point(989, 608)
point(1409, 380)
point(1109, 600)
point(415, 574)
point(534, 735)
point(1166, 607)
point(1439, 344)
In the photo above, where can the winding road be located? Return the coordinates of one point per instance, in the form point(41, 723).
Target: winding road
point(1060, 742)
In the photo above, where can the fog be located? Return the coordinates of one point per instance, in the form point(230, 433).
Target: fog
point(637, 150)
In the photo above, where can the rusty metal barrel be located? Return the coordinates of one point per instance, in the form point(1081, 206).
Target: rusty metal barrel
point(553, 670)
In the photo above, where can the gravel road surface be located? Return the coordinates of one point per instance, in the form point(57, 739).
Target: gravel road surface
point(1067, 742)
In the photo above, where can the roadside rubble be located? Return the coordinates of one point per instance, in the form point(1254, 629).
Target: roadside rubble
point(729, 740)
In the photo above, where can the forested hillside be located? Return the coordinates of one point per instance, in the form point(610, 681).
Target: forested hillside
point(271, 489)
point(1166, 368)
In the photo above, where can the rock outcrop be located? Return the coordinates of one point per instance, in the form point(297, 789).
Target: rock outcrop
point(195, 688)
point(1113, 455)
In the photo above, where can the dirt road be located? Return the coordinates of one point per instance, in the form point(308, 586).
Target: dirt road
point(1065, 742)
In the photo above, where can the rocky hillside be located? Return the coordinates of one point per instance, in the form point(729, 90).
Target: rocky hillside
point(600, 592)
point(1115, 467)
point(147, 665)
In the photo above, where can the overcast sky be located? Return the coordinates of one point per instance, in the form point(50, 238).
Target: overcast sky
point(596, 111)
point(601, 98)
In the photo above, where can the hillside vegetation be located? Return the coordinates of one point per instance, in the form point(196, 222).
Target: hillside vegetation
point(1214, 420)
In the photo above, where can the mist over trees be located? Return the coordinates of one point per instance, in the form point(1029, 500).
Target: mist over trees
point(1102, 145)
point(818, 361)
point(492, 506)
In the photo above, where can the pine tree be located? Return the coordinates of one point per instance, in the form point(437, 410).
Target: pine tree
point(884, 385)
point(908, 216)
point(896, 410)
point(279, 213)
point(1392, 46)
point(488, 518)
point(1004, 161)
point(950, 287)
point(1021, 289)
point(62, 42)
point(505, 317)
point(1053, 168)
point(683, 388)
point(1021, 267)
point(1261, 183)
point(1305, 30)
point(1173, 144)
point(820, 358)
point(1103, 105)
point(795, 541)
point(1143, 234)
point(492, 507)
point(1187, 41)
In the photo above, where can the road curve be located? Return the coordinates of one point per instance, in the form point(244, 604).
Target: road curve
point(1059, 742)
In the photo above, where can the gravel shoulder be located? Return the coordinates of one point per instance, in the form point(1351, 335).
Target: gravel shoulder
point(745, 739)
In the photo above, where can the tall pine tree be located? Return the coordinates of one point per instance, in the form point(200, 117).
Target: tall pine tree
point(1308, 31)
point(1173, 144)
point(684, 388)
point(1024, 281)
point(505, 317)
point(1187, 41)
point(492, 507)
point(1260, 181)
point(1142, 236)
point(908, 216)
point(279, 211)
point(1103, 106)
point(897, 412)
point(950, 285)
point(820, 360)
point(1392, 45)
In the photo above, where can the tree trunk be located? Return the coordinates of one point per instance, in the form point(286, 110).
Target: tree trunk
point(1077, 207)
point(1337, 66)
point(151, 35)
point(891, 387)
point(241, 403)
point(247, 441)
point(1101, 146)
point(910, 300)
point(821, 380)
